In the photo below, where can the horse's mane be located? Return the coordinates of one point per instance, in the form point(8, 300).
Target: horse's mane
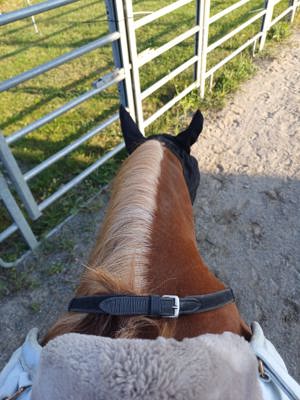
point(119, 261)
point(124, 241)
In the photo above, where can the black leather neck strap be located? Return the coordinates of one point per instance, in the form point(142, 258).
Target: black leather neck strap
point(154, 306)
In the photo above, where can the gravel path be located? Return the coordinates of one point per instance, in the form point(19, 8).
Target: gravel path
point(248, 206)
point(247, 216)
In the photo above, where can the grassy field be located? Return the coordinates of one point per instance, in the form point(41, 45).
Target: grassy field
point(67, 28)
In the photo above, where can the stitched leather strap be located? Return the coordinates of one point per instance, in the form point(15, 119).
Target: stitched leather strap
point(154, 305)
point(206, 302)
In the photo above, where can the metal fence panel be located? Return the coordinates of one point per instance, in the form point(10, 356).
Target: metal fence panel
point(104, 83)
point(41, 69)
point(121, 75)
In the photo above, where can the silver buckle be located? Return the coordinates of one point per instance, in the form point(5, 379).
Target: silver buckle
point(176, 306)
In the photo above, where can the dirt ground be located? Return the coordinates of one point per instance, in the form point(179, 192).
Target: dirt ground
point(247, 216)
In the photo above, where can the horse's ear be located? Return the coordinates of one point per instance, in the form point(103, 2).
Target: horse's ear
point(188, 137)
point(131, 133)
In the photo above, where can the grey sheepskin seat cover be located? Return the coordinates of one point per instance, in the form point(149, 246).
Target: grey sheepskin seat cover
point(208, 367)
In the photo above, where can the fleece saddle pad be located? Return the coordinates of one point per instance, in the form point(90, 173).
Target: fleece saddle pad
point(208, 367)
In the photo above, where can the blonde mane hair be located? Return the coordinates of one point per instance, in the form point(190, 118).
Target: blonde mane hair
point(119, 262)
point(123, 244)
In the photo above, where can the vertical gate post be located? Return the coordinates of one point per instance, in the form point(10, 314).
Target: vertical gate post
point(198, 40)
point(293, 3)
point(116, 22)
point(266, 23)
point(204, 34)
point(134, 64)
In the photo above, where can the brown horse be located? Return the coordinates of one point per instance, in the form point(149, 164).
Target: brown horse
point(147, 244)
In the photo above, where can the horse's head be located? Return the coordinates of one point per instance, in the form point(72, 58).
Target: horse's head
point(180, 145)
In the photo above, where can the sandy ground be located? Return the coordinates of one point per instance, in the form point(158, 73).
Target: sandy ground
point(247, 216)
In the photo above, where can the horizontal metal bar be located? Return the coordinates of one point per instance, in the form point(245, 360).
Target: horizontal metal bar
point(233, 54)
point(13, 16)
point(168, 77)
point(16, 80)
point(8, 232)
point(68, 149)
point(145, 57)
point(15, 263)
point(227, 10)
point(280, 16)
point(5, 264)
point(235, 31)
point(107, 82)
point(160, 13)
point(168, 105)
point(75, 181)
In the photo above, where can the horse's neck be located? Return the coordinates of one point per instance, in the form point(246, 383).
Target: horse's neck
point(147, 245)
point(148, 238)
point(175, 264)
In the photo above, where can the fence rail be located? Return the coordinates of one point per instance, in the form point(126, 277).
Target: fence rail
point(41, 69)
point(30, 11)
point(122, 37)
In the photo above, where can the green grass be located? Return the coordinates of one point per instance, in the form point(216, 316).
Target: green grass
point(67, 28)
point(55, 269)
point(35, 307)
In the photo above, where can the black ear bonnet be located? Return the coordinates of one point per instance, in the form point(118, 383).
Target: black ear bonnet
point(180, 145)
point(189, 163)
